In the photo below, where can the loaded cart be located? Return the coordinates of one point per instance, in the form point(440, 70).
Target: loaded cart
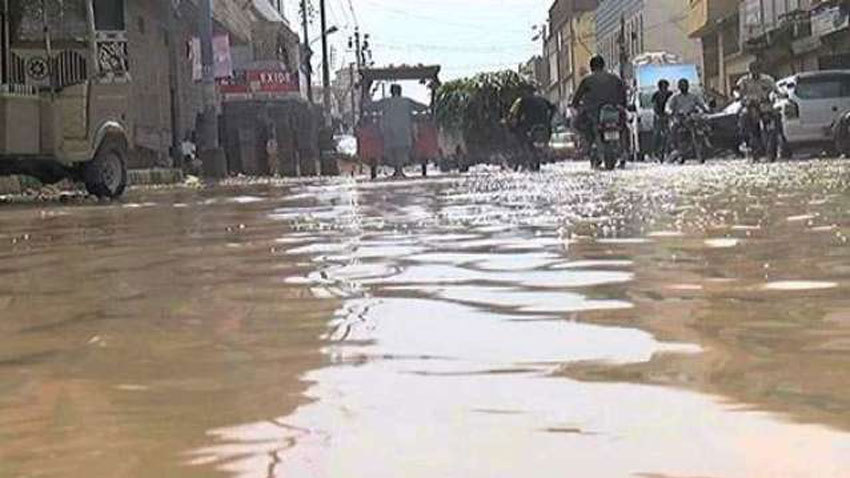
point(64, 93)
point(370, 147)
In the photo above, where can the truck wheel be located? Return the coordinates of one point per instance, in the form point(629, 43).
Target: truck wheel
point(105, 176)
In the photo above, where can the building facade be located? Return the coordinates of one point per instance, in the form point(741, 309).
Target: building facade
point(535, 71)
point(717, 26)
point(569, 46)
point(153, 47)
point(787, 36)
point(627, 28)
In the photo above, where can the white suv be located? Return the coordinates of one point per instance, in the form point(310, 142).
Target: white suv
point(811, 103)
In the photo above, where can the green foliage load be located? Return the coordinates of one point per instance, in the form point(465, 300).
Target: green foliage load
point(476, 107)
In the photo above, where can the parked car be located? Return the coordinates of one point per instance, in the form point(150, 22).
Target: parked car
point(811, 104)
point(725, 134)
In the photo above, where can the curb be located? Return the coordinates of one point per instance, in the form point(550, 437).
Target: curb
point(11, 185)
point(154, 177)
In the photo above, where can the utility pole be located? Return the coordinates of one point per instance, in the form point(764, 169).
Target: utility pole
point(573, 69)
point(624, 56)
point(6, 45)
point(353, 96)
point(358, 62)
point(358, 48)
point(212, 156)
point(92, 37)
point(308, 54)
point(173, 82)
point(326, 71)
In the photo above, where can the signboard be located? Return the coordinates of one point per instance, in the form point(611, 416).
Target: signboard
point(828, 20)
point(806, 45)
point(221, 56)
point(260, 81)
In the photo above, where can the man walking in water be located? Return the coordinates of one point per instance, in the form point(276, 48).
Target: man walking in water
point(397, 130)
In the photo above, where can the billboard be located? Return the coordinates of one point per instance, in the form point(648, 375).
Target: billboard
point(221, 56)
point(260, 81)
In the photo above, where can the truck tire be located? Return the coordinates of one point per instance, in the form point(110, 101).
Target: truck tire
point(105, 175)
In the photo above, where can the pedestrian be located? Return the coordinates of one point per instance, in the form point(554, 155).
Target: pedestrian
point(662, 120)
point(397, 129)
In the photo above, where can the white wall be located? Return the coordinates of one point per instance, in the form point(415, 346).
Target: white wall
point(665, 29)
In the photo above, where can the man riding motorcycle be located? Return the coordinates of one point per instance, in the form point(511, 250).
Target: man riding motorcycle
point(596, 90)
point(756, 91)
point(685, 103)
point(681, 107)
point(530, 121)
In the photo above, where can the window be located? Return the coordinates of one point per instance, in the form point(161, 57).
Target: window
point(109, 15)
point(823, 87)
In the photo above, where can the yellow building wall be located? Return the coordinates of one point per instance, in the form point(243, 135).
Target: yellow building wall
point(584, 43)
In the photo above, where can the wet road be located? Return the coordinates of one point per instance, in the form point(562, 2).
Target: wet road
point(660, 322)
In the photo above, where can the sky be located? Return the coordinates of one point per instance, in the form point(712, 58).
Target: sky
point(463, 36)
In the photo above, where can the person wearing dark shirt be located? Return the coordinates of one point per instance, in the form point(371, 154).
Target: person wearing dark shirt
point(530, 112)
point(662, 121)
point(598, 89)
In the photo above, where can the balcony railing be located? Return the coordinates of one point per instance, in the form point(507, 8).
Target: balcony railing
point(34, 69)
point(760, 17)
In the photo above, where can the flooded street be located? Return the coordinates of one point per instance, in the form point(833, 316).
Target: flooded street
point(658, 322)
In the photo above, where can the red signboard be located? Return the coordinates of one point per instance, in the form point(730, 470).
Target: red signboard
point(260, 81)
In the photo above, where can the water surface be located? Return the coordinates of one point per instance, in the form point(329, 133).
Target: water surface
point(657, 322)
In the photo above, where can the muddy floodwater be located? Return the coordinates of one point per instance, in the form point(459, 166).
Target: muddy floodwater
point(659, 322)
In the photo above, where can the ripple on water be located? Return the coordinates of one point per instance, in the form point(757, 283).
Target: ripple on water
point(543, 302)
point(666, 234)
point(481, 340)
point(800, 285)
point(246, 199)
point(722, 243)
point(625, 241)
point(444, 274)
point(801, 218)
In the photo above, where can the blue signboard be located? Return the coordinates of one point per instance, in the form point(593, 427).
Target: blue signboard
point(648, 76)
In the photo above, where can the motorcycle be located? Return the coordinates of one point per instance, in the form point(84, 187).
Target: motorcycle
point(692, 135)
point(608, 149)
point(527, 149)
point(761, 130)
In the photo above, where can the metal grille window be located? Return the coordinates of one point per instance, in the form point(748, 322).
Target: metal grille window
point(69, 68)
point(112, 56)
point(18, 70)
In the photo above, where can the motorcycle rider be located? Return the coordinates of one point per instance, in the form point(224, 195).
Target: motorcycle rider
point(529, 113)
point(596, 90)
point(680, 107)
point(530, 121)
point(685, 103)
point(756, 90)
point(662, 121)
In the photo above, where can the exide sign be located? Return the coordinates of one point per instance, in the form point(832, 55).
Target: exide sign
point(260, 81)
